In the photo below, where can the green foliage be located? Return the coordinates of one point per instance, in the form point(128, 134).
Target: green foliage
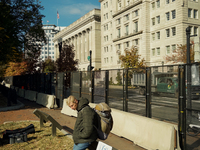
point(21, 31)
point(119, 78)
point(111, 81)
point(66, 61)
point(49, 66)
point(131, 59)
point(180, 54)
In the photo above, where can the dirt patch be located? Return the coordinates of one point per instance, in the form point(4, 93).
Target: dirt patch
point(41, 139)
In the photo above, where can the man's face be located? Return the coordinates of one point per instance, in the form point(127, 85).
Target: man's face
point(73, 105)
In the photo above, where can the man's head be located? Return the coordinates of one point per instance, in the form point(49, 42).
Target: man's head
point(72, 102)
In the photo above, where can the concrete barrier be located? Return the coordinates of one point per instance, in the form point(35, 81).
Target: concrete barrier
point(30, 95)
point(21, 92)
point(45, 100)
point(148, 133)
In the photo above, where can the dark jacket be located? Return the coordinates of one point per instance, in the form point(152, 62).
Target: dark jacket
point(84, 130)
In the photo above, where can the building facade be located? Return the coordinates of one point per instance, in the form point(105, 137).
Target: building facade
point(154, 26)
point(48, 49)
point(85, 35)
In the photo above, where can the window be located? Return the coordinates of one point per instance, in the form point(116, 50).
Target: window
point(158, 50)
point(45, 48)
point(104, 60)
point(195, 30)
point(127, 44)
point(111, 59)
point(126, 32)
point(168, 49)
point(158, 35)
point(173, 48)
point(104, 49)
point(158, 3)
point(173, 31)
point(173, 14)
point(52, 52)
point(118, 46)
point(153, 21)
point(153, 52)
point(107, 59)
point(119, 33)
point(136, 41)
point(173, 0)
point(195, 13)
point(153, 5)
point(189, 13)
point(167, 16)
point(153, 36)
point(45, 52)
point(136, 26)
point(49, 52)
point(167, 33)
point(127, 2)
point(136, 13)
point(118, 21)
point(158, 19)
point(107, 48)
point(167, 1)
point(127, 17)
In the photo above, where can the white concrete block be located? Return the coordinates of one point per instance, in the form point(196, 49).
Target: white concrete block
point(45, 100)
point(21, 92)
point(30, 95)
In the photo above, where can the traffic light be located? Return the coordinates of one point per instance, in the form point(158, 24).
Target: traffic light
point(89, 68)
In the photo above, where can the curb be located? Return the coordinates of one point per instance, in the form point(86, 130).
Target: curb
point(19, 105)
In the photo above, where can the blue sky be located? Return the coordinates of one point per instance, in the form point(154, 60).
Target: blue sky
point(69, 10)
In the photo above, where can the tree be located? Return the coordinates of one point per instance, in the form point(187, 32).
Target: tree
point(15, 69)
point(180, 54)
point(131, 59)
point(49, 65)
point(21, 30)
point(66, 60)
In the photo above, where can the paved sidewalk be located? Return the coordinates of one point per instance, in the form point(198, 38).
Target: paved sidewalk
point(24, 111)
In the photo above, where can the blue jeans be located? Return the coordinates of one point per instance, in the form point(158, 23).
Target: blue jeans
point(81, 146)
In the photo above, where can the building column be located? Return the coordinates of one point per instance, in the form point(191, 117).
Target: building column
point(87, 44)
point(75, 47)
point(79, 47)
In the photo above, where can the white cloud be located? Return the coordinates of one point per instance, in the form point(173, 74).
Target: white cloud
point(77, 9)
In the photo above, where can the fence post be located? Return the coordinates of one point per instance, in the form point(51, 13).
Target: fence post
point(80, 84)
point(148, 92)
point(182, 107)
point(92, 86)
point(126, 90)
point(106, 86)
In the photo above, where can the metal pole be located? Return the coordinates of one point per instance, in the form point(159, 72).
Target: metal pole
point(181, 108)
point(189, 104)
point(90, 59)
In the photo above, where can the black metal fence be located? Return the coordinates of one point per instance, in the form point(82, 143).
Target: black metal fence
point(157, 92)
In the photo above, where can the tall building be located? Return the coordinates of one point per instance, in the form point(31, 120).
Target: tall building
point(85, 35)
point(155, 27)
point(48, 49)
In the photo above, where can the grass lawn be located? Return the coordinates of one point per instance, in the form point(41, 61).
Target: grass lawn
point(40, 140)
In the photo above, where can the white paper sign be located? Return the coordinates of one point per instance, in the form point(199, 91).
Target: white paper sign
point(103, 146)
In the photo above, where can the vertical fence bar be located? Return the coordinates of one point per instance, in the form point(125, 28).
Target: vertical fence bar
point(80, 84)
point(92, 86)
point(148, 92)
point(182, 107)
point(106, 86)
point(126, 90)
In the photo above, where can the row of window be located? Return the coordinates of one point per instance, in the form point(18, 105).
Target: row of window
point(156, 36)
point(106, 60)
point(169, 49)
point(192, 13)
point(135, 29)
point(127, 44)
point(157, 4)
point(50, 48)
point(46, 52)
point(127, 16)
